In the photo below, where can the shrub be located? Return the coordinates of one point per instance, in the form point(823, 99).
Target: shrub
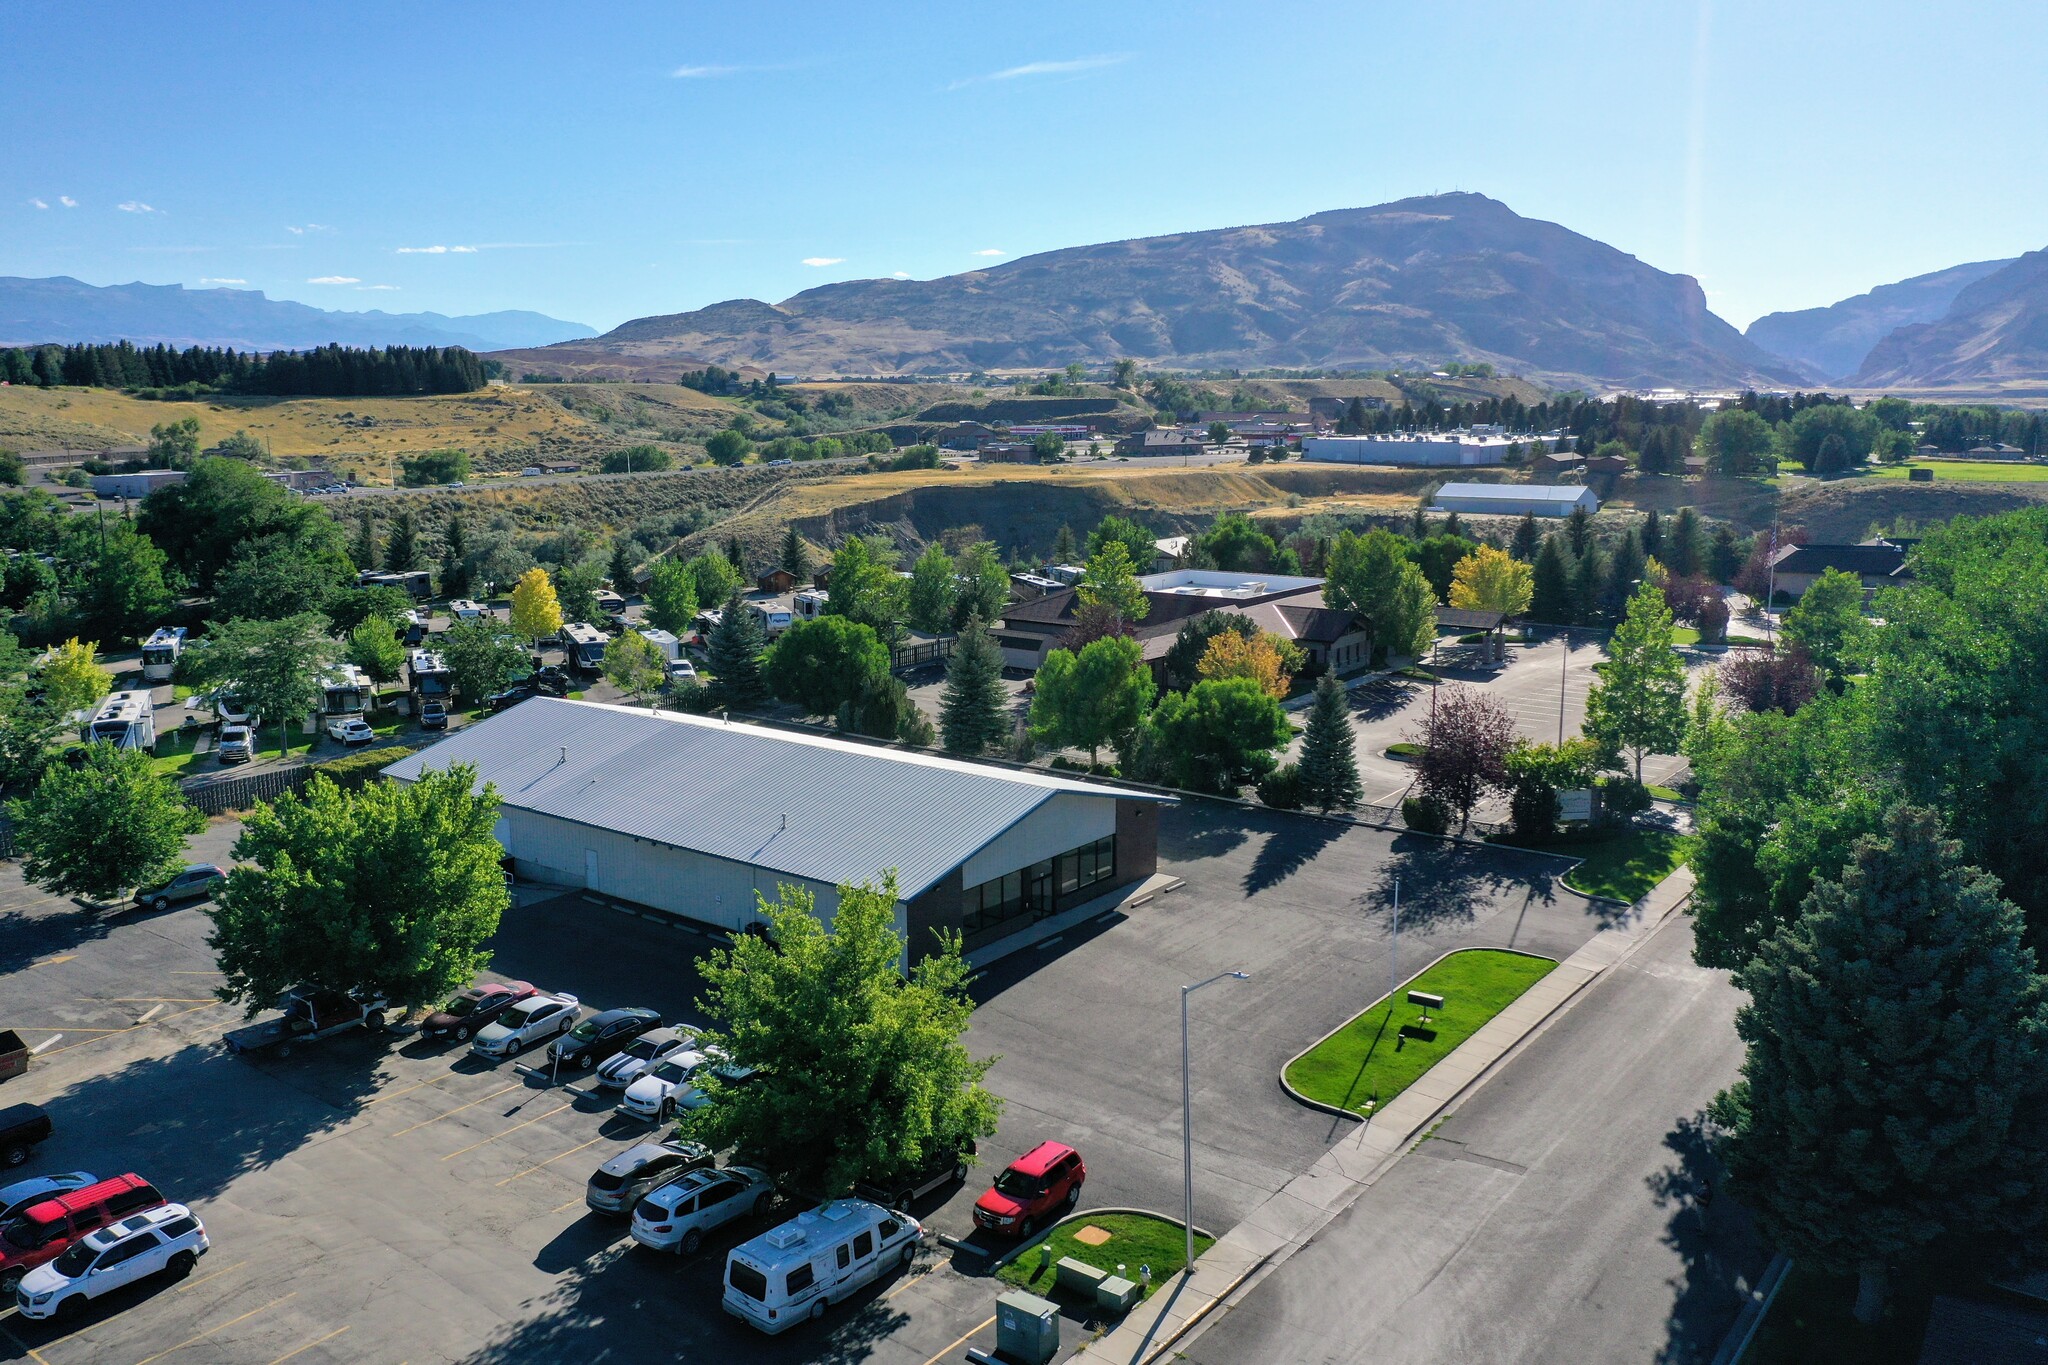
point(1281, 788)
point(1622, 797)
point(1427, 816)
point(353, 772)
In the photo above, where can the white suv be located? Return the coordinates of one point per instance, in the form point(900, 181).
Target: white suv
point(354, 730)
point(168, 1238)
point(676, 1216)
point(530, 1021)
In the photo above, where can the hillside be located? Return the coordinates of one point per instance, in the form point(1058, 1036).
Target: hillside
point(1994, 336)
point(1833, 341)
point(1409, 284)
point(61, 309)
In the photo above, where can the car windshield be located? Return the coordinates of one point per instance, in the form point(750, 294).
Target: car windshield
point(460, 1005)
point(672, 1070)
point(584, 1031)
point(643, 1048)
point(519, 1014)
point(20, 1233)
point(1017, 1185)
point(75, 1259)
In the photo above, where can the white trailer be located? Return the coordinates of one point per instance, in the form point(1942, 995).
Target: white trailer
point(126, 720)
point(671, 648)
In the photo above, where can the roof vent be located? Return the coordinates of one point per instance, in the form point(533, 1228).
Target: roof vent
point(784, 1237)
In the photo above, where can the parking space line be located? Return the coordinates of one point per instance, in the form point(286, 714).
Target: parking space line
point(553, 1159)
point(109, 1033)
point(193, 1284)
point(964, 1339)
point(513, 1129)
point(211, 1330)
point(53, 961)
point(33, 1353)
point(459, 1108)
point(559, 1207)
point(422, 1085)
point(308, 1346)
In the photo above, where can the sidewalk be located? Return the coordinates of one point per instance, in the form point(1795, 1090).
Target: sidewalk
point(1284, 1223)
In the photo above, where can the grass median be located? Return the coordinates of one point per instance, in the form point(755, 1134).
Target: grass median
point(1135, 1239)
point(1363, 1065)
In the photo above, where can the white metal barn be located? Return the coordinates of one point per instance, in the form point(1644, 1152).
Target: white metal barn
point(1514, 499)
point(694, 815)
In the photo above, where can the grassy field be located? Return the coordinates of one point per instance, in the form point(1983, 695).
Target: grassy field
point(175, 759)
point(1369, 1059)
point(1966, 471)
point(1625, 867)
point(1135, 1239)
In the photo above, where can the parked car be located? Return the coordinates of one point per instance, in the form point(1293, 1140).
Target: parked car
point(236, 744)
point(671, 1084)
point(643, 1052)
point(352, 730)
point(16, 1198)
point(197, 882)
point(546, 683)
point(946, 1166)
point(600, 1036)
point(622, 1182)
point(475, 1008)
point(533, 1020)
point(23, 1127)
point(166, 1240)
point(43, 1232)
point(307, 1016)
point(1045, 1180)
point(681, 670)
point(676, 1216)
point(817, 1258)
point(433, 714)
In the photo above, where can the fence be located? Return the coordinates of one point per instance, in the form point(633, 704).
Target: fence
point(916, 656)
point(215, 795)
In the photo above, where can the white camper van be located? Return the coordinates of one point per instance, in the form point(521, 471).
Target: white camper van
point(814, 1260)
point(126, 720)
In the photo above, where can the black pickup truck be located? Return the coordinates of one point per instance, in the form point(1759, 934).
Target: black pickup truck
point(22, 1126)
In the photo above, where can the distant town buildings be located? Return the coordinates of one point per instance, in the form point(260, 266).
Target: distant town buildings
point(1450, 448)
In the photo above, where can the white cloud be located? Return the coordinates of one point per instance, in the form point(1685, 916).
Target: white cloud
point(900, 275)
point(221, 281)
point(67, 201)
point(374, 288)
point(39, 203)
point(991, 251)
point(1073, 66)
point(436, 250)
point(334, 279)
point(134, 206)
point(710, 72)
point(309, 227)
point(824, 260)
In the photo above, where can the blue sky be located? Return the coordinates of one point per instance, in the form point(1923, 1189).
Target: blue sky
point(602, 162)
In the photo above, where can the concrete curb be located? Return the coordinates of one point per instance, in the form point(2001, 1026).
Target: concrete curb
point(1361, 1118)
point(1078, 1215)
point(1754, 1310)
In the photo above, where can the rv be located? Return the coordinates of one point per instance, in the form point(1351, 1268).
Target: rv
point(584, 645)
point(417, 583)
point(427, 675)
point(774, 620)
point(810, 603)
point(345, 692)
point(817, 1258)
point(462, 609)
point(126, 720)
point(160, 653)
point(671, 648)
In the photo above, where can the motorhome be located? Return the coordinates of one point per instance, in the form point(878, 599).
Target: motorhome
point(584, 645)
point(774, 620)
point(462, 609)
point(160, 653)
point(416, 583)
point(817, 1258)
point(810, 603)
point(345, 692)
point(427, 675)
point(126, 720)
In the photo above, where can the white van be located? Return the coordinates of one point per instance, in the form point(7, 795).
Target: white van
point(814, 1260)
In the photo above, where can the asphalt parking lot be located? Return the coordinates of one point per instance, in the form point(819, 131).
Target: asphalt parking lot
point(372, 1199)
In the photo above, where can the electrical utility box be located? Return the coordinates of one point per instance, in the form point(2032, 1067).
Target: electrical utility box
point(1027, 1329)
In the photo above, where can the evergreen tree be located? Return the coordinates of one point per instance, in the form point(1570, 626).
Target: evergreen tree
point(1064, 548)
point(1724, 555)
point(455, 559)
point(734, 653)
point(795, 558)
point(736, 555)
point(973, 710)
point(1590, 581)
point(1685, 545)
point(1328, 768)
point(1579, 528)
point(1527, 540)
point(363, 549)
point(1653, 536)
point(1627, 566)
point(623, 562)
point(1550, 593)
point(402, 551)
point(1897, 1037)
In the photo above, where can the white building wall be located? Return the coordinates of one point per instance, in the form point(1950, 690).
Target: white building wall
point(1510, 505)
point(1394, 450)
point(1066, 821)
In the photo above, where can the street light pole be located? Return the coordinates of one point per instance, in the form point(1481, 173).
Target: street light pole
point(1564, 665)
point(1187, 1129)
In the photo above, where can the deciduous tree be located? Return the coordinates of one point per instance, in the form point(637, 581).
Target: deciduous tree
point(373, 647)
point(1827, 622)
point(1371, 576)
point(672, 597)
point(1492, 580)
point(275, 667)
point(822, 664)
point(103, 827)
point(1638, 705)
point(932, 590)
point(1111, 581)
point(536, 610)
point(1257, 656)
point(1096, 697)
point(485, 656)
point(1218, 735)
point(1465, 739)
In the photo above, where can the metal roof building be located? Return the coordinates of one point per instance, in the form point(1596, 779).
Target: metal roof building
point(1514, 499)
point(695, 815)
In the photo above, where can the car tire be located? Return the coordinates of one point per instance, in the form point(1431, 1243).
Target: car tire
point(1073, 1196)
point(960, 1173)
point(462, 1034)
point(582, 1061)
point(1026, 1228)
point(666, 1112)
point(762, 1202)
point(68, 1309)
point(160, 903)
point(909, 1253)
point(181, 1265)
point(817, 1307)
point(374, 1021)
point(692, 1239)
point(15, 1155)
point(9, 1280)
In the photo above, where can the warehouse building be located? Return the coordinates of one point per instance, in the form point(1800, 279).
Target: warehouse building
point(1409, 448)
point(1514, 499)
point(695, 816)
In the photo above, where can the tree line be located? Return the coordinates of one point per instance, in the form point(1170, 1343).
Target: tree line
point(325, 372)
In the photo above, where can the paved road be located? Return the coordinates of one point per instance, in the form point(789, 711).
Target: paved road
point(1552, 1218)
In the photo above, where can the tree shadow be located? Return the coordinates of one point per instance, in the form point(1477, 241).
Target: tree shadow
point(1290, 846)
point(1184, 838)
point(1447, 884)
point(1378, 700)
point(1716, 1242)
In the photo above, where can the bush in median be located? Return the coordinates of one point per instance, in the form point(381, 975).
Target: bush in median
point(353, 772)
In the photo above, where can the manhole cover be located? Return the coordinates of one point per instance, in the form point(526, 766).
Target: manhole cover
point(1092, 1236)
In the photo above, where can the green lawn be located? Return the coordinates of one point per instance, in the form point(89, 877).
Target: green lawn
point(1967, 471)
point(1368, 1059)
point(1135, 1239)
point(1625, 867)
point(1684, 635)
point(1663, 793)
point(1405, 750)
point(175, 759)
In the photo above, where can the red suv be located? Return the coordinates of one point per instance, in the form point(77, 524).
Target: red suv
point(44, 1230)
point(1045, 1180)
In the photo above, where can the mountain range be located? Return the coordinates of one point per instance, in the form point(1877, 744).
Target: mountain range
point(1834, 340)
point(1417, 282)
point(1994, 336)
point(62, 309)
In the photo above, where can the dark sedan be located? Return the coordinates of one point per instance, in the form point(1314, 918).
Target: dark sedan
point(602, 1035)
point(474, 1008)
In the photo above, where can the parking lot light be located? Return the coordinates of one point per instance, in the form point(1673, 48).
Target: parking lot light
point(1187, 1131)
